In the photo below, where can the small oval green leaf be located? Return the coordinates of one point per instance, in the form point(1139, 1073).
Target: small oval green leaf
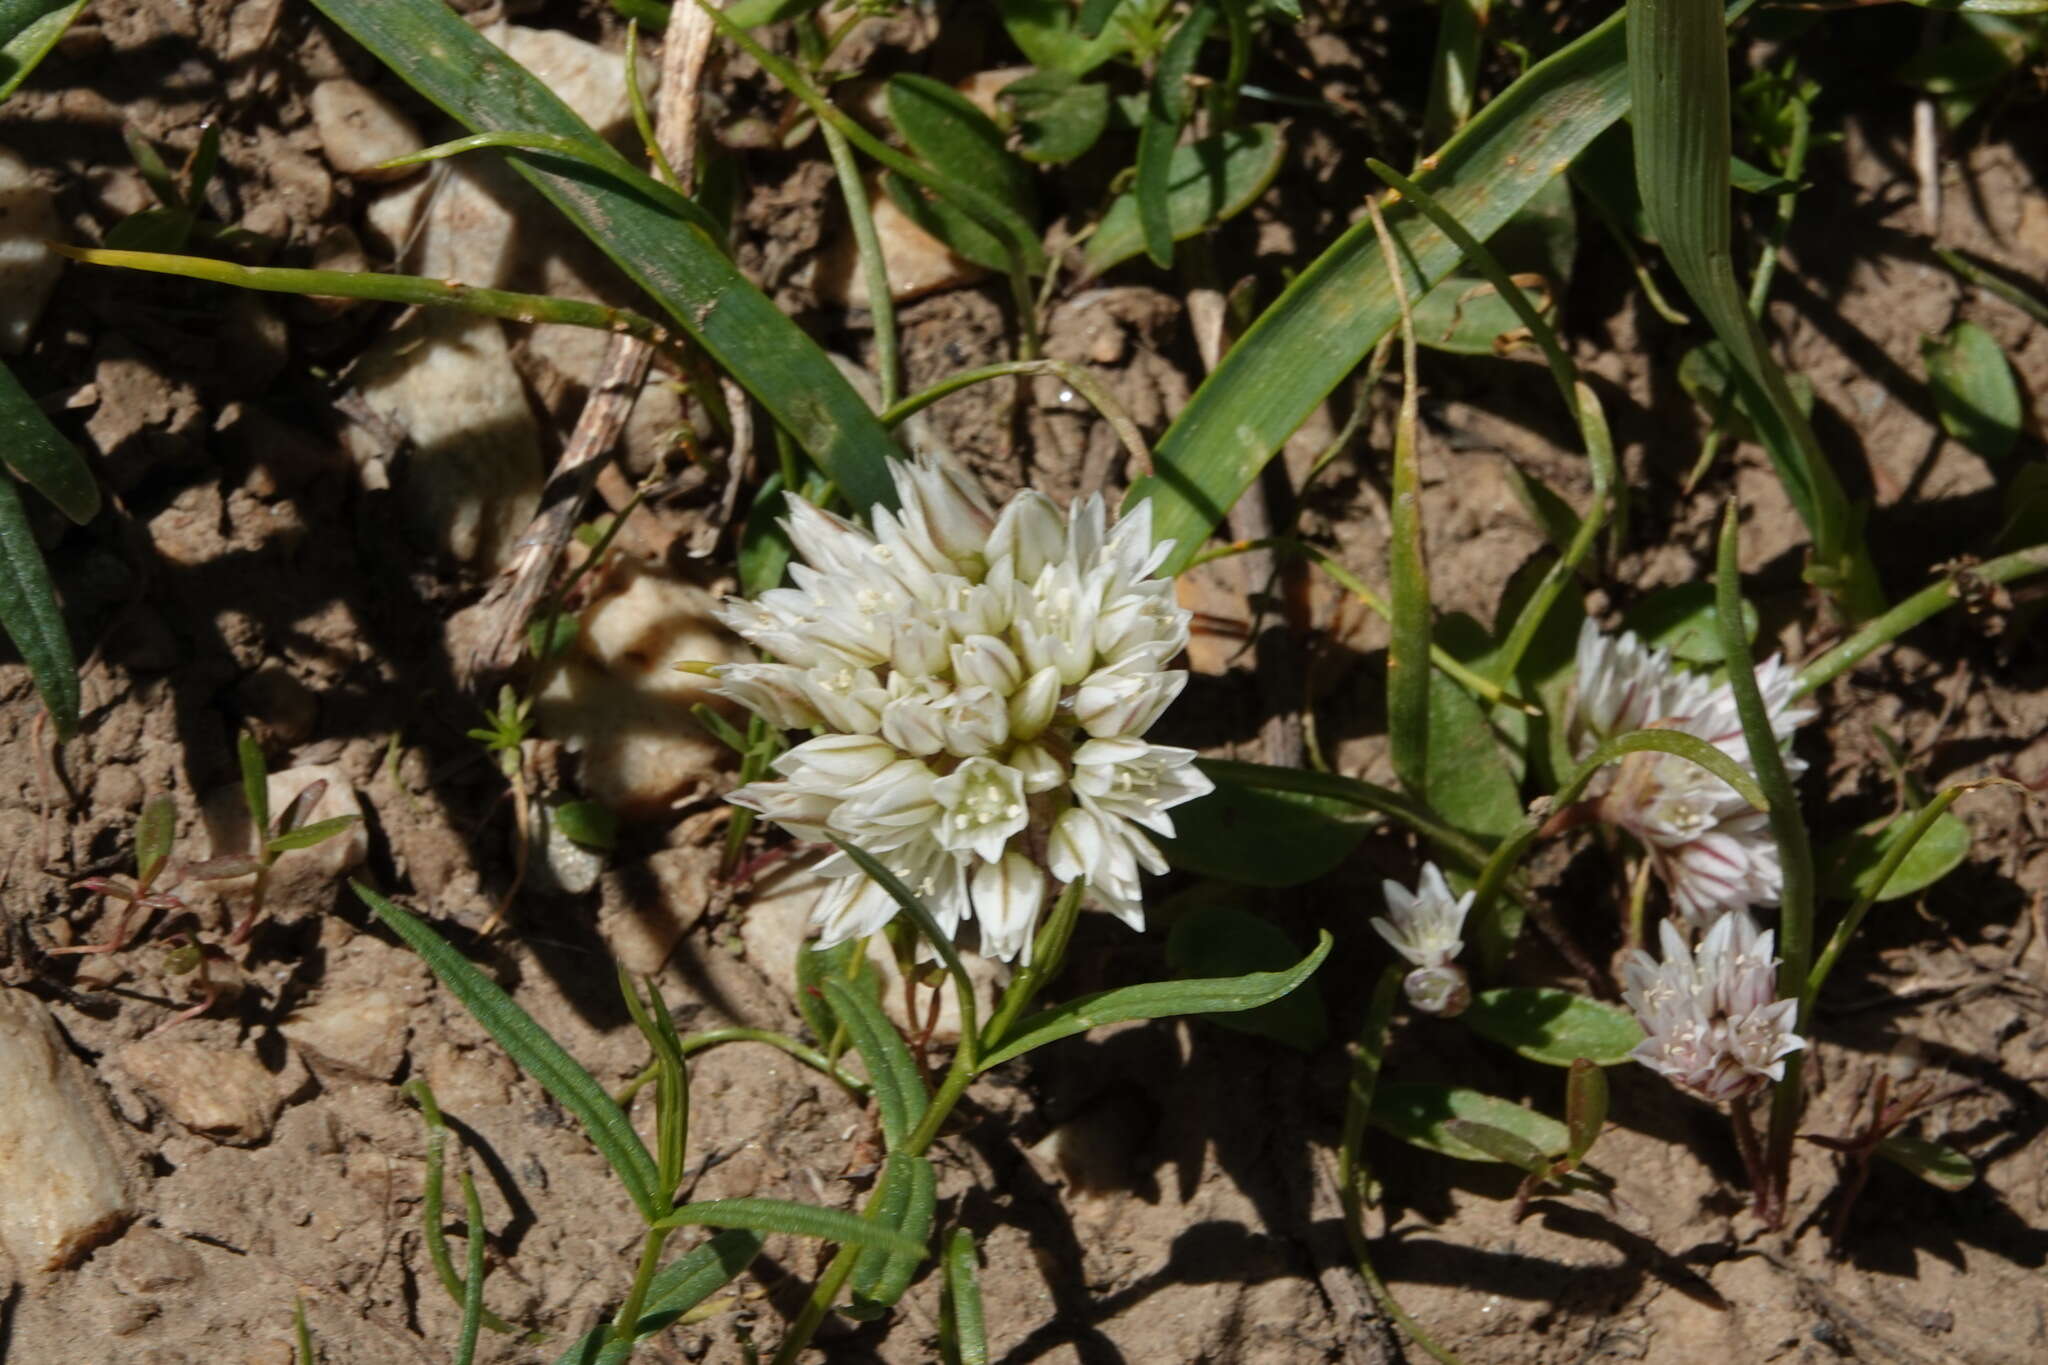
point(1853, 862)
point(1058, 116)
point(1975, 394)
point(1418, 1114)
point(1554, 1026)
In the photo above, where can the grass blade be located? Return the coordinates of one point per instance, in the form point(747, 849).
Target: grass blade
point(1336, 311)
point(1156, 1000)
point(538, 1054)
point(29, 614)
point(40, 457)
point(794, 1220)
point(1678, 74)
point(674, 1291)
point(28, 30)
point(449, 63)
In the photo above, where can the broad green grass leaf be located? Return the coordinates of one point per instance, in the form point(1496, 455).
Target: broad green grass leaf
point(1853, 862)
point(1155, 1000)
point(1678, 71)
point(28, 30)
point(1323, 325)
point(791, 1219)
point(963, 1329)
point(1974, 391)
point(1469, 781)
point(28, 612)
point(537, 1053)
point(675, 1289)
point(908, 1204)
point(1208, 181)
point(1680, 618)
point(37, 454)
point(1058, 116)
point(1215, 940)
point(1937, 1163)
point(1418, 1113)
point(682, 266)
point(1166, 109)
point(900, 1096)
point(1255, 836)
point(1553, 1026)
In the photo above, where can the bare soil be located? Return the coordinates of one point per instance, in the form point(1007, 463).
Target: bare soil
point(1149, 1193)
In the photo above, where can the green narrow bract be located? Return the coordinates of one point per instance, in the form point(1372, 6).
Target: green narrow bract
point(431, 49)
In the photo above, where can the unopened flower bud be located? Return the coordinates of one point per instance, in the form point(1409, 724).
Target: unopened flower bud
point(1442, 991)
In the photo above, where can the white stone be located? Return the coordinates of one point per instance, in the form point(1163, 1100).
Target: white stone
point(360, 129)
point(63, 1190)
point(619, 701)
point(585, 77)
point(363, 1030)
point(28, 269)
point(228, 1096)
point(918, 262)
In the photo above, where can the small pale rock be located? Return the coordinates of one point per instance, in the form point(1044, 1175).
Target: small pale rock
point(228, 1096)
point(778, 924)
point(359, 129)
point(558, 862)
point(28, 269)
point(918, 262)
point(363, 1030)
point(147, 1262)
point(582, 75)
point(466, 1079)
point(648, 908)
point(473, 479)
point(983, 88)
point(62, 1188)
point(619, 701)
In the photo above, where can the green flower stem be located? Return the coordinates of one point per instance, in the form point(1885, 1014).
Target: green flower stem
point(874, 266)
point(411, 289)
point(698, 1042)
point(1354, 1177)
point(1955, 586)
point(628, 1319)
point(1795, 857)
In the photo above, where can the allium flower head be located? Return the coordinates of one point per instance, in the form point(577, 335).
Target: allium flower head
point(1712, 1021)
point(1424, 926)
point(979, 684)
point(1712, 849)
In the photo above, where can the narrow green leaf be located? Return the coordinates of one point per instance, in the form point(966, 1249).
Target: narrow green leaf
point(1154, 1000)
point(1855, 861)
point(900, 1096)
point(473, 1284)
point(963, 1330)
point(1417, 1114)
point(675, 1289)
point(960, 142)
point(910, 1203)
point(255, 782)
point(153, 835)
point(1213, 940)
point(1454, 72)
point(1255, 836)
point(1166, 109)
point(1324, 324)
point(1678, 70)
point(1553, 1026)
point(1207, 182)
point(1937, 1163)
point(538, 1054)
point(306, 836)
point(37, 454)
point(434, 51)
point(1975, 394)
point(791, 1219)
point(28, 612)
point(28, 30)
point(1585, 1107)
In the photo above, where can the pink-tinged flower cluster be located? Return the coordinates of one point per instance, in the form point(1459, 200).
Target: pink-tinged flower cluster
point(1711, 848)
point(978, 684)
point(1711, 1016)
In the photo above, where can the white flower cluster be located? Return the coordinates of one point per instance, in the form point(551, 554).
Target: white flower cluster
point(1424, 926)
point(979, 685)
point(1713, 1021)
point(1712, 849)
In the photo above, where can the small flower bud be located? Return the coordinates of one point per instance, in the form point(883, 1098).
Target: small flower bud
point(1442, 991)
